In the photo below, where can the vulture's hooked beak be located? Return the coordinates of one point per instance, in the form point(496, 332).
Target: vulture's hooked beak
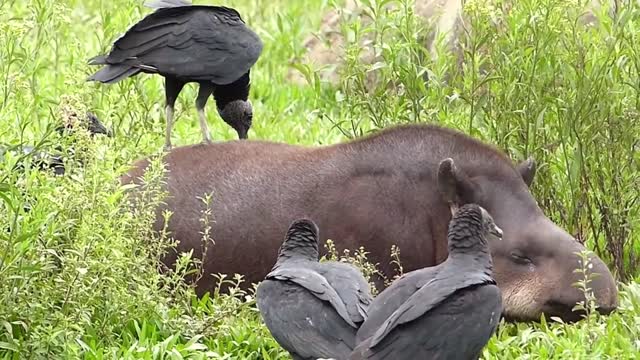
point(242, 134)
point(496, 231)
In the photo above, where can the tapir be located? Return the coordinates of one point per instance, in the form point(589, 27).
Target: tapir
point(398, 186)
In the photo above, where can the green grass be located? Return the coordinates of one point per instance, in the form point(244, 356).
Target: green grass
point(78, 273)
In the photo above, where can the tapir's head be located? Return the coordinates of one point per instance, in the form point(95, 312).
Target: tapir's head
point(535, 264)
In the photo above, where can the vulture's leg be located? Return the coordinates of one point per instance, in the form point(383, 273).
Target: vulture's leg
point(206, 89)
point(172, 88)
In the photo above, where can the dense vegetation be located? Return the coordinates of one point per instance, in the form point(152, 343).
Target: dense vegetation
point(78, 272)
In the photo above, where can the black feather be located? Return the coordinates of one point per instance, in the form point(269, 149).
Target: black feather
point(407, 319)
point(210, 45)
point(312, 309)
point(113, 73)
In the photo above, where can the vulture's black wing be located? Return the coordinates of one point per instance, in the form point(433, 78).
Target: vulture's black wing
point(301, 323)
point(316, 285)
point(427, 297)
point(206, 43)
point(459, 327)
point(391, 298)
point(350, 285)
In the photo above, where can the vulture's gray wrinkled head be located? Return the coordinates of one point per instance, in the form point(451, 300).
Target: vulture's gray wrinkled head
point(301, 242)
point(470, 229)
point(489, 226)
point(239, 115)
point(96, 127)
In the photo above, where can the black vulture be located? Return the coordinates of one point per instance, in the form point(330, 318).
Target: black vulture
point(448, 311)
point(43, 160)
point(91, 123)
point(210, 45)
point(312, 309)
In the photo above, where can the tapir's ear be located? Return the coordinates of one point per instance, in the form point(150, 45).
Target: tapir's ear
point(527, 170)
point(454, 185)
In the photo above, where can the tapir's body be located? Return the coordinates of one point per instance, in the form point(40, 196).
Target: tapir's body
point(377, 191)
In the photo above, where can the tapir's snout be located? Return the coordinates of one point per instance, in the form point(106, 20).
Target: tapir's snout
point(600, 283)
point(604, 287)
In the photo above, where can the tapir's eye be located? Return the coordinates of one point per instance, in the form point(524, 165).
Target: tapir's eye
point(520, 259)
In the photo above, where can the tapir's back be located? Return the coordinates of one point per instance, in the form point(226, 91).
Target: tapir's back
point(249, 200)
point(373, 192)
point(258, 188)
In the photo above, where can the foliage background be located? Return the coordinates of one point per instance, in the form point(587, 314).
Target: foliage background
point(78, 272)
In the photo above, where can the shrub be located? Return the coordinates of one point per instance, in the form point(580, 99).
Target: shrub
point(535, 80)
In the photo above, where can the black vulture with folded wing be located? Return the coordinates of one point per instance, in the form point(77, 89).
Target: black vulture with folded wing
point(445, 312)
point(210, 45)
point(312, 309)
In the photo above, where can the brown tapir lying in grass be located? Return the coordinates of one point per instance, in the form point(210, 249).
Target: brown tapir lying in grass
point(389, 188)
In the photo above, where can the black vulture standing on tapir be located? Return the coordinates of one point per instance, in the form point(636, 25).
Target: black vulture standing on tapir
point(445, 312)
point(312, 309)
point(186, 43)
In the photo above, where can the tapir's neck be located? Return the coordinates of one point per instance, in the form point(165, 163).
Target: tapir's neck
point(416, 151)
point(510, 205)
